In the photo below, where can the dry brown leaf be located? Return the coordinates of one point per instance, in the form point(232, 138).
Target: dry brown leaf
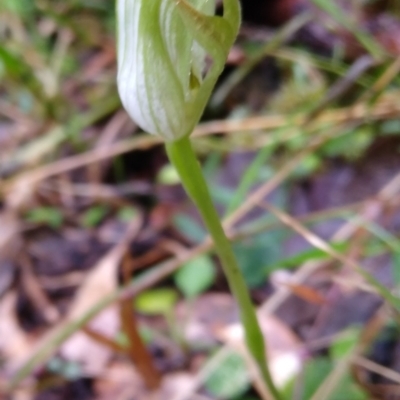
point(101, 281)
point(93, 356)
point(306, 293)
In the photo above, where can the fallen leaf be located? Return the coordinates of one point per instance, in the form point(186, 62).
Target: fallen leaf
point(306, 293)
point(101, 281)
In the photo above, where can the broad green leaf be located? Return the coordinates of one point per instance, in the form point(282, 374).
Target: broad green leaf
point(127, 214)
point(94, 216)
point(46, 215)
point(168, 175)
point(156, 301)
point(344, 343)
point(256, 254)
point(70, 370)
point(196, 276)
point(307, 255)
point(315, 371)
point(190, 228)
point(230, 379)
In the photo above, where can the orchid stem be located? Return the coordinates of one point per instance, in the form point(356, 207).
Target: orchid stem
point(182, 156)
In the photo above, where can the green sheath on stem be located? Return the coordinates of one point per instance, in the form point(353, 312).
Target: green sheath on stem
point(182, 156)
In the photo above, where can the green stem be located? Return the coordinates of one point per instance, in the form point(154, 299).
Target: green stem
point(182, 156)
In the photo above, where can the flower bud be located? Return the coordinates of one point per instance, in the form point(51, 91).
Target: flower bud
point(163, 46)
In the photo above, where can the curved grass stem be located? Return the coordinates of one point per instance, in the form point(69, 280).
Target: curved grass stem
point(182, 156)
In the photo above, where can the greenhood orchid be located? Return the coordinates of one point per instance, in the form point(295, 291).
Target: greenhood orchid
point(163, 46)
point(170, 55)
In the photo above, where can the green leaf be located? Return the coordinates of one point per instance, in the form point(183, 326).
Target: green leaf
point(127, 214)
point(18, 70)
point(390, 127)
point(196, 276)
point(348, 389)
point(307, 255)
point(318, 369)
point(70, 370)
point(256, 254)
point(156, 301)
point(351, 145)
point(94, 216)
point(46, 215)
point(396, 268)
point(315, 371)
point(168, 175)
point(190, 228)
point(344, 343)
point(307, 166)
point(230, 379)
point(19, 7)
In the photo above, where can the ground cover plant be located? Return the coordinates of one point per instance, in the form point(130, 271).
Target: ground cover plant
point(109, 284)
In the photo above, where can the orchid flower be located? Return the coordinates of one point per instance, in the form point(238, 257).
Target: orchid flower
point(163, 47)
